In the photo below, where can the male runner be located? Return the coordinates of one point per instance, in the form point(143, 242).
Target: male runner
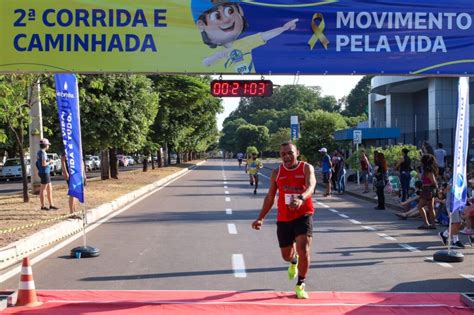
point(252, 168)
point(295, 182)
point(240, 157)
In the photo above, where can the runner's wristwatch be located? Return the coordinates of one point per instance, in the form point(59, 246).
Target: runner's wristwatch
point(300, 197)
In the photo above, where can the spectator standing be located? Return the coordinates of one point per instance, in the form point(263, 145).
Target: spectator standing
point(456, 220)
point(365, 169)
point(381, 177)
point(43, 164)
point(341, 173)
point(404, 167)
point(440, 155)
point(326, 167)
point(72, 200)
point(426, 148)
point(428, 178)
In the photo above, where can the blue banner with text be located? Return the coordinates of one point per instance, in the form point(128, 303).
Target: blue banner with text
point(67, 96)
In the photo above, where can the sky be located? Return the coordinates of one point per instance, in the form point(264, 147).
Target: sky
point(337, 86)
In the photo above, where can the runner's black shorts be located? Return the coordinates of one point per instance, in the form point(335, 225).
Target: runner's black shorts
point(45, 178)
point(287, 231)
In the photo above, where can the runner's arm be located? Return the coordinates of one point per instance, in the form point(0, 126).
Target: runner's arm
point(268, 202)
point(310, 180)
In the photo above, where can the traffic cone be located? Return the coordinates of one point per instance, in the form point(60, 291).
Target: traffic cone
point(27, 291)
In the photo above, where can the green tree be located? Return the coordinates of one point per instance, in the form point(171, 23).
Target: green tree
point(330, 104)
point(357, 100)
point(116, 114)
point(276, 139)
point(227, 139)
point(187, 118)
point(318, 131)
point(353, 121)
point(15, 105)
point(251, 135)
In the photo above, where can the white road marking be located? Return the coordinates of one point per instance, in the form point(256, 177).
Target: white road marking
point(225, 183)
point(264, 175)
point(225, 187)
point(324, 205)
point(385, 236)
point(369, 228)
point(442, 264)
point(343, 216)
point(410, 248)
point(333, 210)
point(354, 221)
point(227, 199)
point(232, 228)
point(238, 265)
point(228, 211)
point(319, 203)
point(226, 192)
point(468, 277)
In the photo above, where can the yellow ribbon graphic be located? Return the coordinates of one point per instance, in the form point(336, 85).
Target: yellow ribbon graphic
point(318, 32)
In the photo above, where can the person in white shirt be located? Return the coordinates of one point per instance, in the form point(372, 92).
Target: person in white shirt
point(440, 155)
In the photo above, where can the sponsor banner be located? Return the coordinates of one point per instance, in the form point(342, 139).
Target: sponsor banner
point(67, 96)
point(239, 36)
point(461, 146)
point(294, 127)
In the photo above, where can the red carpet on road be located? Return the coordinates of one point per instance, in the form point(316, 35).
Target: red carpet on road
point(233, 302)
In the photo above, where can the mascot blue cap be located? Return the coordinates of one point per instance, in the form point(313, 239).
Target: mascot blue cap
point(198, 7)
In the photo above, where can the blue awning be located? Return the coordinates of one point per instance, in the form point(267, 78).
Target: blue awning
point(368, 134)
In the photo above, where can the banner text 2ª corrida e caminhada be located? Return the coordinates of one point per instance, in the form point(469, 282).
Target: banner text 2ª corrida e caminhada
point(426, 37)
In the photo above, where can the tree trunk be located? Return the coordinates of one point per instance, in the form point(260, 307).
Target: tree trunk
point(104, 165)
point(152, 162)
point(165, 155)
point(145, 163)
point(26, 197)
point(168, 152)
point(178, 157)
point(113, 163)
point(160, 158)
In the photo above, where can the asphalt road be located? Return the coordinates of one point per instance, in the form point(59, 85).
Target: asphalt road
point(195, 234)
point(15, 186)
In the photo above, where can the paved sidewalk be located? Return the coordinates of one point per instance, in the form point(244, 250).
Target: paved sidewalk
point(391, 200)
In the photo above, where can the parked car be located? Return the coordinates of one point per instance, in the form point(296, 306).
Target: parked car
point(56, 167)
point(96, 160)
point(131, 161)
point(122, 159)
point(89, 163)
point(12, 169)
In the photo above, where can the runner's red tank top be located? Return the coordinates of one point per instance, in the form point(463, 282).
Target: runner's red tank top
point(291, 183)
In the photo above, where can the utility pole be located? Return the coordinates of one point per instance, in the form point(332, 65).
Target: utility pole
point(36, 134)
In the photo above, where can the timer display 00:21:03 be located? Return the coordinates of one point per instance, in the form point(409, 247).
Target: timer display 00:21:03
point(241, 88)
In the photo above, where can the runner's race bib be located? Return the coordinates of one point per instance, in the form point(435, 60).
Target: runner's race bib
point(289, 198)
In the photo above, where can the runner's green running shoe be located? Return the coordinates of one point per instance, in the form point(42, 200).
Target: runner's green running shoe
point(293, 269)
point(300, 292)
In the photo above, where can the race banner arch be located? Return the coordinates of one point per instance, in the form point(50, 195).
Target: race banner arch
point(418, 37)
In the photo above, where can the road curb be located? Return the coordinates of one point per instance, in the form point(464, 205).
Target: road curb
point(14, 252)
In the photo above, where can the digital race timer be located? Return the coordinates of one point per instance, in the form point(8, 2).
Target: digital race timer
point(241, 88)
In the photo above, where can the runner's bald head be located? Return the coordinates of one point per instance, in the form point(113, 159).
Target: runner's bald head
point(289, 143)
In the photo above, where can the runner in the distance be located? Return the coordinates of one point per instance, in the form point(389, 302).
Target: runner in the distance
point(252, 168)
point(240, 157)
point(295, 182)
